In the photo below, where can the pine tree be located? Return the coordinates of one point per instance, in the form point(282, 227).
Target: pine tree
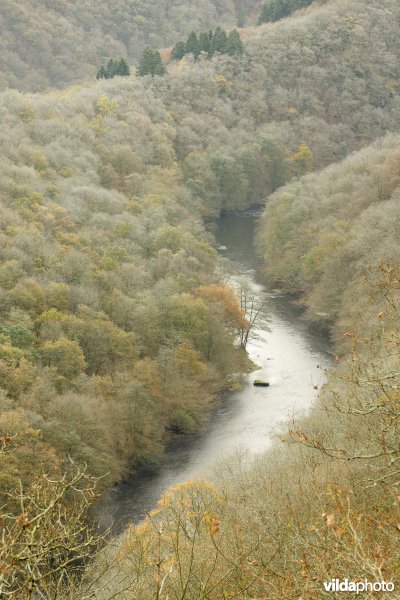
point(102, 73)
point(210, 37)
point(273, 10)
point(192, 45)
point(150, 63)
point(115, 66)
point(219, 41)
point(205, 41)
point(158, 67)
point(234, 44)
point(112, 67)
point(266, 14)
point(179, 51)
point(145, 62)
point(123, 67)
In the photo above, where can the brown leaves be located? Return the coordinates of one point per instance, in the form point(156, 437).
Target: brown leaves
point(22, 521)
point(5, 440)
point(329, 520)
point(215, 524)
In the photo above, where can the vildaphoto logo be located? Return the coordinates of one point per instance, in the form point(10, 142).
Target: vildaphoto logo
point(345, 585)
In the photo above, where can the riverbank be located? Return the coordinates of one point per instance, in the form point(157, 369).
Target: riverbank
point(290, 355)
point(289, 514)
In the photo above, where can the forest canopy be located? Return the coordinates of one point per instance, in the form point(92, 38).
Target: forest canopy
point(54, 43)
point(318, 235)
point(118, 331)
point(104, 191)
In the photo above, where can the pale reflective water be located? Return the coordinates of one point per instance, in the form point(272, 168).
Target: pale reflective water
point(292, 358)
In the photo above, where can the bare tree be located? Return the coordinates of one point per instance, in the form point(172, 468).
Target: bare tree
point(45, 541)
point(251, 307)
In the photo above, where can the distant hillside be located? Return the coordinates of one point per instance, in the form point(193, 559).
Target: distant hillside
point(306, 94)
point(56, 42)
point(48, 43)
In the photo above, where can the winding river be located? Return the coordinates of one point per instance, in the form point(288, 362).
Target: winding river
point(292, 358)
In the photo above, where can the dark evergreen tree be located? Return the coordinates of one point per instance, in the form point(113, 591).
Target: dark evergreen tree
point(115, 66)
point(219, 41)
point(123, 67)
point(234, 44)
point(158, 67)
point(205, 40)
point(273, 10)
point(112, 68)
point(179, 50)
point(210, 42)
point(210, 37)
point(192, 45)
point(102, 73)
point(150, 63)
point(266, 14)
point(145, 62)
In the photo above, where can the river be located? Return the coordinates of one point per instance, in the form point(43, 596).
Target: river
point(292, 358)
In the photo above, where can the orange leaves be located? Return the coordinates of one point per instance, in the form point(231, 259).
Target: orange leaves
point(332, 525)
point(329, 520)
point(215, 525)
point(297, 435)
point(226, 297)
point(23, 521)
point(4, 441)
point(166, 55)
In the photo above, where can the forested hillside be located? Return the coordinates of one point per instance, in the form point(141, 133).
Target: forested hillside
point(111, 316)
point(52, 43)
point(320, 234)
point(116, 331)
point(306, 93)
point(322, 504)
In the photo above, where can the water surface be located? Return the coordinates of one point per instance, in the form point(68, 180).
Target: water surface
point(291, 357)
